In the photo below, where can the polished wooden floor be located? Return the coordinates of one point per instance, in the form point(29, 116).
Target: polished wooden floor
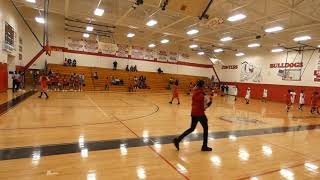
point(88, 117)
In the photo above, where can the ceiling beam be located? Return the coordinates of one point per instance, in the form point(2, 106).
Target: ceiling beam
point(66, 8)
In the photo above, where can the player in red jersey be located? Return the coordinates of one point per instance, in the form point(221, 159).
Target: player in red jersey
point(200, 102)
point(175, 92)
point(315, 103)
point(43, 83)
point(288, 100)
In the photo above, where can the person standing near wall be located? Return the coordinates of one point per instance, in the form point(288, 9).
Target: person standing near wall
point(265, 95)
point(248, 94)
point(301, 100)
point(199, 105)
point(288, 101)
point(115, 65)
point(314, 103)
point(235, 93)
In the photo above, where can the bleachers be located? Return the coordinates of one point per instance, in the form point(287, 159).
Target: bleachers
point(156, 82)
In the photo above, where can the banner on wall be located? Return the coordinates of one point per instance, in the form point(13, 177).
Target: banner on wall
point(173, 57)
point(90, 46)
point(107, 48)
point(163, 56)
point(123, 50)
point(149, 54)
point(137, 52)
point(250, 72)
point(74, 44)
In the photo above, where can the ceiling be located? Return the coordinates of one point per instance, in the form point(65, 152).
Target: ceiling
point(298, 17)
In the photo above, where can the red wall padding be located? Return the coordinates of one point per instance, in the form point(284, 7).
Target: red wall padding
point(3, 77)
point(275, 92)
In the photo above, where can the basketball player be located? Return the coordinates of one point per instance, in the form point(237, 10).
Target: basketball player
point(314, 102)
point(199, 105)
point(43, 82)
point(235, 93)
point(190, 88)
point(301, 100)
point(288, 101)
point(248, 94)
point(293, 96)
point(175, 92)
point(265, 95)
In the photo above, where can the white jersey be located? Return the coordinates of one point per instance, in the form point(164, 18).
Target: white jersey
point(301, 99)
point(293, 97)
point(248, 93)
point(265, 93)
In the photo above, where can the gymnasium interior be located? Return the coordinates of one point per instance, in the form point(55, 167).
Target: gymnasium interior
point(120, 79)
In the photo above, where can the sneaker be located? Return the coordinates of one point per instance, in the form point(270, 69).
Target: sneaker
point(39, 97)
point(170, 102)
point(176, 143)
point(206, 148)
point(178, 103)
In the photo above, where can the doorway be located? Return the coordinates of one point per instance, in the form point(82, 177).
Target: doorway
point(11, 68)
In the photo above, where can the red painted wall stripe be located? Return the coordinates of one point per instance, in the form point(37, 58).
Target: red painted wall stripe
point(275, 92)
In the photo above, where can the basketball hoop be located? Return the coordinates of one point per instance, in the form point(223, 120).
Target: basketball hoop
point(48, 50)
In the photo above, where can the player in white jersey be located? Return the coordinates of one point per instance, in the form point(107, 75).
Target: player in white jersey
point(265, 95)
point(301, 100)
point(248, 94)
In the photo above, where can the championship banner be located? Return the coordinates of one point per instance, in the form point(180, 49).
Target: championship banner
point(163, 56)
point(107, 48)
point(316, 75)
point(75, 44)
point(137, 52)
point(90, 46)
point(173, 57)
point(123, 50)
point(149, 54)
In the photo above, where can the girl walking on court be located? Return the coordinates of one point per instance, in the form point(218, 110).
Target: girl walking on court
point(288, 101)
point(199, 105)
point(175, 92)
point(301, 100)
point(248, 94)
point(43, 83)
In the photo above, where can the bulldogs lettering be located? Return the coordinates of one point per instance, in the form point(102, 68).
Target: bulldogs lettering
point(286, 65)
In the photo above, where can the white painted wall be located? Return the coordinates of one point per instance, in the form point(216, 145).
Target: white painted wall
point(263, 59)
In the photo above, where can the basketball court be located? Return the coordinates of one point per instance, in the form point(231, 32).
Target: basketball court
point(116, 123)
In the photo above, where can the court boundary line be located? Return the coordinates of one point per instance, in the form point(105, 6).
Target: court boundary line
point(8, 153)
point(7, 106)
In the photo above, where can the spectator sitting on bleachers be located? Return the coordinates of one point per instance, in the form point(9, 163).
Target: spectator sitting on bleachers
point(95, 76)
point(135, 69)
point(65, 62)
point(69, 62)
point(127, 68)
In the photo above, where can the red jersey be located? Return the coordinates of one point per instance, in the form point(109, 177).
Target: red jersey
point(77, 80)
point(43, 82)
point(65, 81)
point(288, 98)
point(314, 100)
point(198, 103)
point(175, 91)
